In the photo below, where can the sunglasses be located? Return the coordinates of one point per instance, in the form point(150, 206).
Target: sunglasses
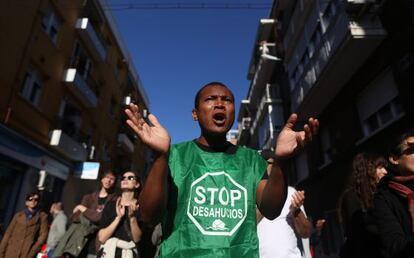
point(130, 178)
point(34, 199)
point(408, 151)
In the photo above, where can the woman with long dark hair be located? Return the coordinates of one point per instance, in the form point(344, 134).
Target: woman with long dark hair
point(120, 231)
point(356, 207)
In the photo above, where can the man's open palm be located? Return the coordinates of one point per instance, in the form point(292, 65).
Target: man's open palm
point(290, 142)
point(155, 135)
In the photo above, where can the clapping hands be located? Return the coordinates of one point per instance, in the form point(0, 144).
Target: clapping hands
point(298, 198)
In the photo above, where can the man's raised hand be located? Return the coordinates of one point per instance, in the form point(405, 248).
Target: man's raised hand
point(155, 135)
point(290, 142)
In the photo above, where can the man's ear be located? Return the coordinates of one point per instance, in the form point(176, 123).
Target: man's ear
point(393, 159)
point(194, 114)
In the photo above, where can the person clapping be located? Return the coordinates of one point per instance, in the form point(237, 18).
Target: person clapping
point(120, 231)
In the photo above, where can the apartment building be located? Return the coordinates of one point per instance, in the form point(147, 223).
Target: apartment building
point(348, 63)
point(65, 79)
point(263, 112)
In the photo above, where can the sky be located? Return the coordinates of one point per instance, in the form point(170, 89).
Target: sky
point(176, 51)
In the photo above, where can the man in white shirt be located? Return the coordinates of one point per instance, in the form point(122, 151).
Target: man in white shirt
point(282, 237)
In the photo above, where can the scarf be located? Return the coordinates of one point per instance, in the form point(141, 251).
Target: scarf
point(110, 246)
point(397, 185)
point(30, 214)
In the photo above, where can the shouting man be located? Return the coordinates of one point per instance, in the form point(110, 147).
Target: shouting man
point(206, 190)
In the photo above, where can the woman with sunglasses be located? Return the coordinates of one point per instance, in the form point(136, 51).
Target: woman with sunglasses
point(120, 231)
point(27, 231)
point(394, 201)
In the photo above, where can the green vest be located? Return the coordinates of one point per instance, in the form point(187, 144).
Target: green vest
point(212, 203)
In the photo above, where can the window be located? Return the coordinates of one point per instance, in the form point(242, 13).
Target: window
point(379, 104)
point(329, 13)
point(371, 124)
point(51, 24)
point(315, 40)
point(32, 87)
point(69, 119)
point(386, 115)
point(276, 116)
point(305, 58)
point(296, 76)
point(81, 61)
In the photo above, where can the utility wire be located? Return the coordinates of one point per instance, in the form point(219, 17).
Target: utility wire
point(167, 6)
point(151, 6)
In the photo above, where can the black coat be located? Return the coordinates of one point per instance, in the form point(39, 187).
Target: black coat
point(394, 221)
point(361, 232)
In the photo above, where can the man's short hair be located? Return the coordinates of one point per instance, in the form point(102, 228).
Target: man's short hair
point(58, 205)
point(31, 194)
point(197, 96)
point(395, 147)
point(108, 171)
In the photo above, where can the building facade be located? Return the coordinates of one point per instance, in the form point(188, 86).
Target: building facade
point(348, 63)
point(262, 113)
point(66, 78)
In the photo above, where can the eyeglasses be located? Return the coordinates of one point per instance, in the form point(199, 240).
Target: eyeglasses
point(407, 151)
point(34, 199)
point(130, 178)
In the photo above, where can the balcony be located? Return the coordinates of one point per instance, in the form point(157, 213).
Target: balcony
point(80, 87)
point(344, 48)
point(67, 146)
point(91, 38)
point(261, 78)
point(125, 143)
point(263, 110)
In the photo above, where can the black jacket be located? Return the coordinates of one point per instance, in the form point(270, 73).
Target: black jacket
point(361, 232)
point(394, 221)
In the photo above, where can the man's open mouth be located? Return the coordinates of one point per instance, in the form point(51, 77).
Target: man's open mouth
point(219, 118)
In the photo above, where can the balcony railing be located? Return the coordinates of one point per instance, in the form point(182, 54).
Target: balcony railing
point(80, 87)
point(261, 78)
point(67, 146)
point(89, 34)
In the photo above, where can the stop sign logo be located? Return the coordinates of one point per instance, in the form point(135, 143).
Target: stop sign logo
point(217, 204)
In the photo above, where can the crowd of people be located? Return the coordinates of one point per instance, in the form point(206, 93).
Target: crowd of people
point(210, 198)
